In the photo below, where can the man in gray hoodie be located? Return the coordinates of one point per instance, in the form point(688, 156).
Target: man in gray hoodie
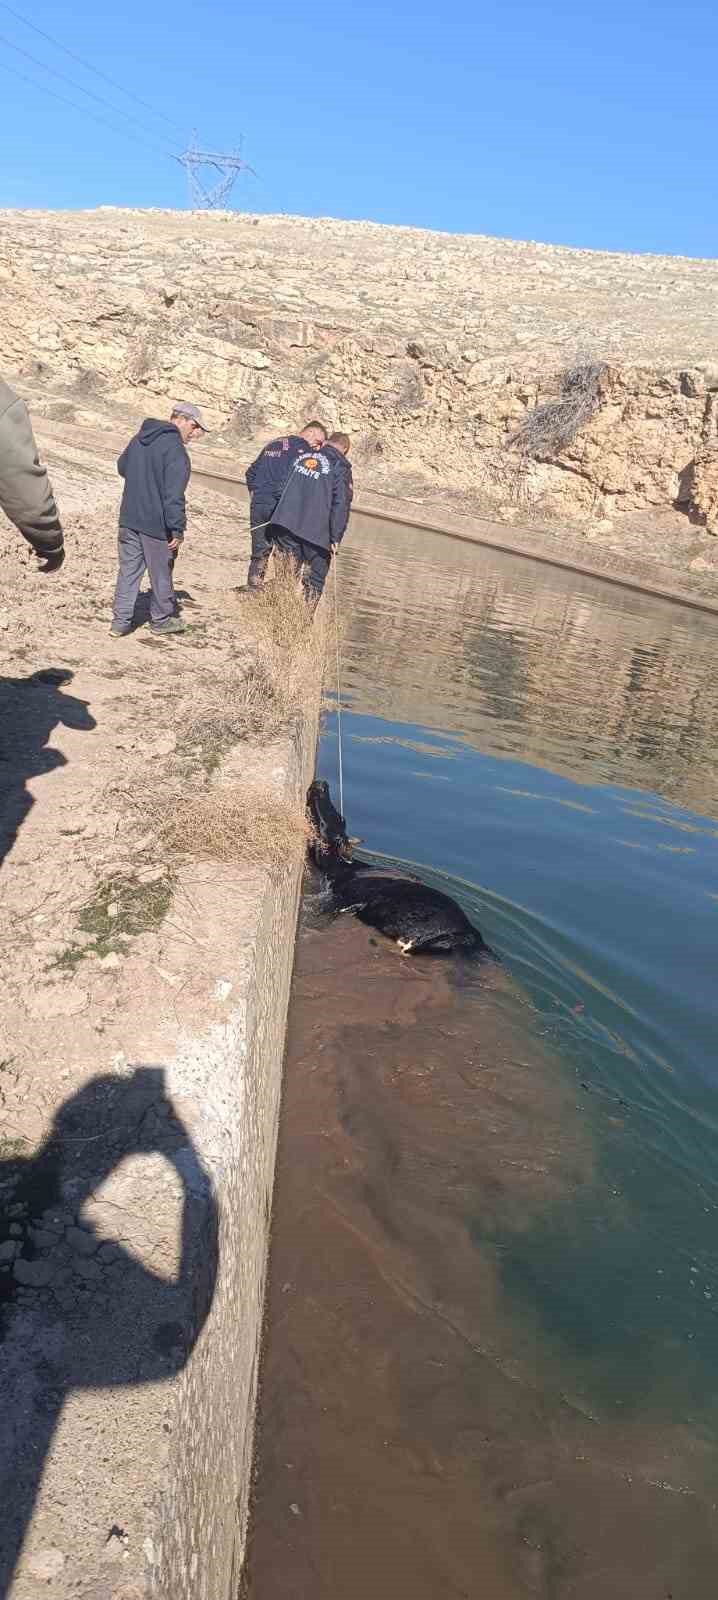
point(26, 494)
point(156, 468)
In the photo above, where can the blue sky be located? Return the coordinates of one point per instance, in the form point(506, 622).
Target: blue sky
point(530, 121)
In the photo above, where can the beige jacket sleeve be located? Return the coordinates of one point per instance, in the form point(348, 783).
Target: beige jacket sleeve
point(26, 495)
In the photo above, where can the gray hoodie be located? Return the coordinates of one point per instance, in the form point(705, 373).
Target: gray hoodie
point(26, 495)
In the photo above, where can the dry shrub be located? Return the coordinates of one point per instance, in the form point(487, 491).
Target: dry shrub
point(278, 615)
point(281, 682)
point(291, 644)
point(242, 825)
point(245, 705)
point(551, 427)
point(258, 698)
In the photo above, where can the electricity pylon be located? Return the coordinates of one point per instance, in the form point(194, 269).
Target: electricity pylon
point(205, 196)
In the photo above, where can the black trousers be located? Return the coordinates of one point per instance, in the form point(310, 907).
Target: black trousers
point(313, 561)
point(260, 513)
point(260, 516)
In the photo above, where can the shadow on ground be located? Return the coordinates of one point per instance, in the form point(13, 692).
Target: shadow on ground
point(78, 1311)
point(30, 709)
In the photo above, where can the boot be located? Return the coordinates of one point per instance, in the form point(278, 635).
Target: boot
point(257, 572)
point(312, 597)
point(255, 578)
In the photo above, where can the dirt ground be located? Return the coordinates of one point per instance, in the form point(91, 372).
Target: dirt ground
point(106, 964)
point(86, 720)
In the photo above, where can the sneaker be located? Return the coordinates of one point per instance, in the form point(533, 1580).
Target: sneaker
point(170, 625)
point(119, 630)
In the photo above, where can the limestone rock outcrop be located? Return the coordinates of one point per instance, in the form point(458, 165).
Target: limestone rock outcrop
point(429, 348)
point(702, 487)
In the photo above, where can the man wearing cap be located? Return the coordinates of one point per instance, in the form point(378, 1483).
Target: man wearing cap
point(156, 468)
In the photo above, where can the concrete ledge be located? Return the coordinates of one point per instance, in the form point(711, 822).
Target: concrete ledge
point(202, 1511)
point(126, 1422)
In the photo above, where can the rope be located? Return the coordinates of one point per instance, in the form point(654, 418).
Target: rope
point(339, 688)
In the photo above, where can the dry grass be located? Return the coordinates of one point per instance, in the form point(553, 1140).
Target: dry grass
point(290, 653)
point(279, 619)
point(263, 695)
point(242, 825)
point(240, 705)
point(276, 684)
point(551, 427)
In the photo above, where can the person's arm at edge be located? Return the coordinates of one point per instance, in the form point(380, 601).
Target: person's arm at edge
point(26, 494)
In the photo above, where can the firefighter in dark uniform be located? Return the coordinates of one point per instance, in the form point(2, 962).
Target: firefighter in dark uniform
point(311, 520)
point(266, 480)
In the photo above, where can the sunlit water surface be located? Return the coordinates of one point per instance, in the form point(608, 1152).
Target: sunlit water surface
point(544, 746)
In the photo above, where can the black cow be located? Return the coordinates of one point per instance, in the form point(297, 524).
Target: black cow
point(404, 908)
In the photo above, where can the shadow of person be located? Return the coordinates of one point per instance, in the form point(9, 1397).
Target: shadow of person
point(29, 710)
point(81, 1312)
point(142, 615)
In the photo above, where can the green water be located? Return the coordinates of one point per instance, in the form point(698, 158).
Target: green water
point(545, 746)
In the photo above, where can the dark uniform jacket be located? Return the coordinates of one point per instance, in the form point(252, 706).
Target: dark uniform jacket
point(267, 476)
point(316, 502)
point(156, 469)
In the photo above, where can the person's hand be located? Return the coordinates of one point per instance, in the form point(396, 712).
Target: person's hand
point(334, 549)
point(51, 562)
point(173, 545)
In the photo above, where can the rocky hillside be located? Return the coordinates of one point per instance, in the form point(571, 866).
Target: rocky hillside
point(431, 349)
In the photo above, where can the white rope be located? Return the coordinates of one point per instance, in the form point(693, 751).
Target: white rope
point(339, 688)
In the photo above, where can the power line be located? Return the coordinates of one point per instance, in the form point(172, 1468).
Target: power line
point(89, 66)
point(84, 110)
point(63, 76)
point(227, 165)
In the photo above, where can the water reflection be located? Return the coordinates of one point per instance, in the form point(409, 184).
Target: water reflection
point(523, 660)
point(602, 899)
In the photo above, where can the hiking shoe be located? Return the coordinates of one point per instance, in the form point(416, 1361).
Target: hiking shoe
point(170, 625)
point(119, 630)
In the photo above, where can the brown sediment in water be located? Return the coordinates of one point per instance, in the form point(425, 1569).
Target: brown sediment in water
point(417, 1438)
